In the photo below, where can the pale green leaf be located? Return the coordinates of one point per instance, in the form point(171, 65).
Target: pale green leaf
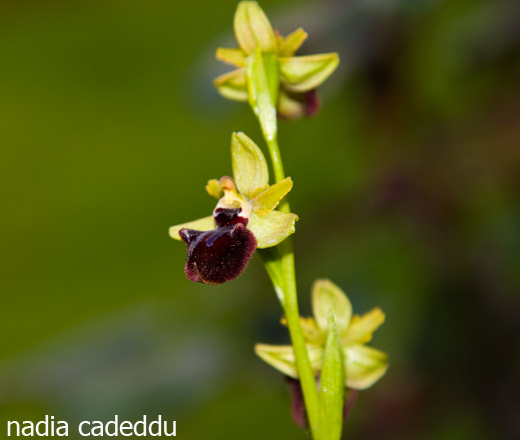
point(326, 296)
point(235, 57)
point(202, 224)
point(290, 44)
point(232, 85)
point(361, 327)
point(272, 263)
point(268, 199)
point(332, 386)
point(364, 366)
point(272, 228)
point(262, 86)
point(249, 164)
point(252, 28)
point(301, 74)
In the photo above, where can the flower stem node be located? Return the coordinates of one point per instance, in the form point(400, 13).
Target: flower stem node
point(221, 245)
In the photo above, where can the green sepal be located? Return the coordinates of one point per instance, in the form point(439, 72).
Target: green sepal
point(249, 165)
point(301, 74)
point(332, 385)
point(252, 28)
point(202, 224)
point(364, 366)
point(272, 228)
point(235, 57)
point(290, 44)
point(214, 189)
point(281, 357)
point(232, 85)
point(327, 296)
point(267, 200)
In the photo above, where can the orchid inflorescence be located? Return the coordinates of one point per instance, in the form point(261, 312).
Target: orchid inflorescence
point(328, 353)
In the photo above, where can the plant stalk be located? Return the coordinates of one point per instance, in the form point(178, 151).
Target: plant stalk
point(290, 306)
point(262, 72)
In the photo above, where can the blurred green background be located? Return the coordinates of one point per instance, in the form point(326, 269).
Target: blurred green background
point(407, 184)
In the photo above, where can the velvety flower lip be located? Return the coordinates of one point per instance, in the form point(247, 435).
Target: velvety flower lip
point(221, 254)
point(220, 246)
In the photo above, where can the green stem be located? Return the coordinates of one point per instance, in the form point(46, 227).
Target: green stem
point(290, 305)
point(262, 72)
point(279, 173)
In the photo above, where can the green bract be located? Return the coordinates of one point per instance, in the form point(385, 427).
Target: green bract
point(252, 193)
point(296, 75)
point(363, 366)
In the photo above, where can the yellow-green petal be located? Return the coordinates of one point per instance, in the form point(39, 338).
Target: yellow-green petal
point(214, 189)
point(364, 366)
point(281, 357)
point(202, 224)
point(301, 74)
point(290, 44)
point(233, 85)
point(272, 228)
point(252, 28)
point(361, 327)
point(311, 332)
point(268, 199)
point(249, 164)
point(235, 57)
point(326, 296)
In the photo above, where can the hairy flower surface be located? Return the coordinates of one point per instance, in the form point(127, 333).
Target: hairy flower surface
point(299, 76)
point(363, 365)
point(221, 245)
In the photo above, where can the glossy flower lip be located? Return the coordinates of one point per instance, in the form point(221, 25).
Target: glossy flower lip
point(299, 76)
point(221, 245)
point(364, 365)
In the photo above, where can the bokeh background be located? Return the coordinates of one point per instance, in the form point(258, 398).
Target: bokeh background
point(407, 183)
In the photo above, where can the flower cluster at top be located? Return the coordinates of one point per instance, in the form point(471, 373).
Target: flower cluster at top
point(221, 245)
point(298, 76)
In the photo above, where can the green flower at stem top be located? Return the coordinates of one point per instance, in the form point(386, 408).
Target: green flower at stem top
point(298, 76)
point(363, 366)
point(220, 245)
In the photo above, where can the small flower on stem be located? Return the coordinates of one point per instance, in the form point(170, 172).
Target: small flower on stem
point(221, 245)
point(363, 365)
point(294, 94)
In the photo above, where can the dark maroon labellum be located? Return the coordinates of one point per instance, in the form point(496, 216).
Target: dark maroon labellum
point(312, 103)
point(221, 254)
